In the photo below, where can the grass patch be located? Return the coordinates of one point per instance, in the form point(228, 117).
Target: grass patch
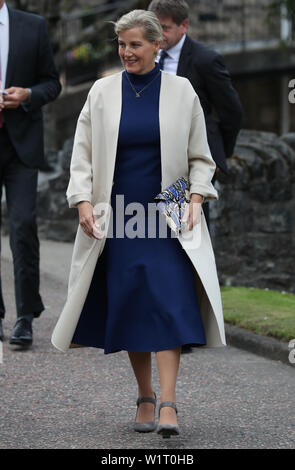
point(265, 312)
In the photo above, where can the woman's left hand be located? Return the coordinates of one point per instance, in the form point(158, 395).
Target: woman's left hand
point(192, 214)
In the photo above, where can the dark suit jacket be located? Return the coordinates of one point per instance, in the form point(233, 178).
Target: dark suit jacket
point(206, 71)
point(30, 65)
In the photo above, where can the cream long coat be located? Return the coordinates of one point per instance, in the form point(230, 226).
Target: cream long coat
point(184, 152)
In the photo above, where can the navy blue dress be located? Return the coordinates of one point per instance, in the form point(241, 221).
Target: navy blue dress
point(142, 296)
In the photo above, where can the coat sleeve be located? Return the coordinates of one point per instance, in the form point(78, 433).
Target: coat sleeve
point(201, 164)
point(80, 184)
point(225, 101)
point(47, 86)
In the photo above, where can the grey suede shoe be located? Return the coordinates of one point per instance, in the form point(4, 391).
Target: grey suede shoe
point(150, 426)
point(167, 430)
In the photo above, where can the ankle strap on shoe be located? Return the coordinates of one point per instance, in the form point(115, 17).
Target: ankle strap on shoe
point(167, 403)
point(146, 400)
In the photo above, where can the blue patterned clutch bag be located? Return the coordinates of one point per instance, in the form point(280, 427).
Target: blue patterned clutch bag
point(172, 203)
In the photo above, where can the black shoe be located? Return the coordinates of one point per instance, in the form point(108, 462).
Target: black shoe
point(1, 331)
point(22, 333)
point(186, 348)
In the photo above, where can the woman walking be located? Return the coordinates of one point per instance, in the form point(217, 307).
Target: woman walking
point(138, 132)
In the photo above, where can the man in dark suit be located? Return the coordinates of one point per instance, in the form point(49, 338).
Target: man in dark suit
point(29, 80)
point(206, 71)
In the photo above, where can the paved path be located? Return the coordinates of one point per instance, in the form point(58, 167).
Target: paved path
point(227, 398)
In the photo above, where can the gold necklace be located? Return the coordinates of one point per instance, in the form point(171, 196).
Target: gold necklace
point(137, 93)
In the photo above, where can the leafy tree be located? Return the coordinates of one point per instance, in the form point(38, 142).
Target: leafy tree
point(276, 5)
point(52, 10)
point(95, 29)
point(275, 10)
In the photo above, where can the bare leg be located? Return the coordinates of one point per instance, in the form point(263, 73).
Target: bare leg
point(142, 367)
point(168, 365)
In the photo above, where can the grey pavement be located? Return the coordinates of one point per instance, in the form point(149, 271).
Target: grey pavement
point(226, 397)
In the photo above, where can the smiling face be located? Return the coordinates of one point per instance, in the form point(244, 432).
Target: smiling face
point(137, 53)
point(172, 32)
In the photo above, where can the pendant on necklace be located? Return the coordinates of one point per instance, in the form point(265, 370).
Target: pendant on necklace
point(137, 95)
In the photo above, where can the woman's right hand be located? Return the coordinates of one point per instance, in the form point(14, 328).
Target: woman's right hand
point(88, 220)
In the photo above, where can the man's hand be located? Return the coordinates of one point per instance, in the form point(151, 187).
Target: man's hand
point(15, 97)
point(192, 214)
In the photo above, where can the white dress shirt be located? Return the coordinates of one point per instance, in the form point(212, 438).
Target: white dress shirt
point(4, 41)
point(171, 61)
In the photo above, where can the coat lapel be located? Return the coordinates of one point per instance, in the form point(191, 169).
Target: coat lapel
point(15, 33)
point(115, 109)
point(163, 116)
point(172, 162)
point(185, 58)
point(166, 114)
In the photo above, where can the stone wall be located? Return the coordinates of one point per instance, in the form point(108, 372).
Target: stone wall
point(253, 223)
point(232, 21)
point(60, 116)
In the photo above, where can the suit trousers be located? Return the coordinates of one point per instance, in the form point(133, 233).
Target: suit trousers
point(20, 184)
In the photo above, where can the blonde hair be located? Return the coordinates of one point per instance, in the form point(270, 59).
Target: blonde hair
point(147, 20)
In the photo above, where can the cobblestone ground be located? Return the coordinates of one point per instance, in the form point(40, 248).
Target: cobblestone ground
point(227, 398)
